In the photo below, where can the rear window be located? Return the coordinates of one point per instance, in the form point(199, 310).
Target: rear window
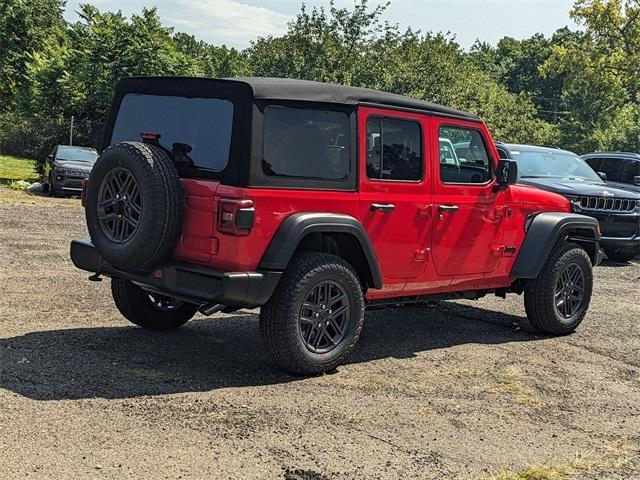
point(307, 143)
point(197, 131)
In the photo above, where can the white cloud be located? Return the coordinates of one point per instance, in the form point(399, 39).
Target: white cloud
point(227, 21)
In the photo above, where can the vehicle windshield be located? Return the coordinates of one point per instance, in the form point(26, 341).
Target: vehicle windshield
point(77, 154)
point(549, 164)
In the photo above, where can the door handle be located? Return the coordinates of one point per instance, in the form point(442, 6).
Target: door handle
point(382, 207)
point(448, 208)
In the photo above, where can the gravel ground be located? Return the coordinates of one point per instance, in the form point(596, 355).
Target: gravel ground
point(453, 391)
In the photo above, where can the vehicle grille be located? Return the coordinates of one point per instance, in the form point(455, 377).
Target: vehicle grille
point(607, 204)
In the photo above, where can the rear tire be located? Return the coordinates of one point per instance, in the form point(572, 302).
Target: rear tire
point(315, 316)
point(621, 255)
point(149, 310)
point(557, 300)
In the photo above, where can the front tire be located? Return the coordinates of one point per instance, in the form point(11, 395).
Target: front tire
point(557, 300)
point(315, 316)
point(150, 310)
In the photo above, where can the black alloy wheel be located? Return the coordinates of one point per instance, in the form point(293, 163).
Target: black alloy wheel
point(570, 289)
point(324, 317)
point(119, 205)
point(165, 303)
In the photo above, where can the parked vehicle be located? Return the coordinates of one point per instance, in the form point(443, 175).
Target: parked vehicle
point(65, 168)
point(315, 202)
point(563, 172)
point(621, 169)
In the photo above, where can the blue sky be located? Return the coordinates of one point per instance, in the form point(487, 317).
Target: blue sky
point(237, 22)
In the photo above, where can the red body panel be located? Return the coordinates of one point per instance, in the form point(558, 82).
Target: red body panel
point(419, 248)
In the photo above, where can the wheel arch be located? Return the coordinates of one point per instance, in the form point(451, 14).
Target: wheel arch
point(545, 230)
point(333, 233)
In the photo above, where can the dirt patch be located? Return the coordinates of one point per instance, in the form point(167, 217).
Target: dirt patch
point(452, 391)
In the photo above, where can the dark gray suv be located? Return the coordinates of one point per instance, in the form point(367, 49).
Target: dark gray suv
point(622, 169)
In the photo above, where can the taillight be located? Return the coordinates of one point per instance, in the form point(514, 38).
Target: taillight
point(235, 217)
point(83, 195)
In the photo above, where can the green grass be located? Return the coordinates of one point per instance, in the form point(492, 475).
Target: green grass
point(15, 168)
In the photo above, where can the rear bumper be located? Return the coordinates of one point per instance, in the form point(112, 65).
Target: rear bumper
point(199, 285)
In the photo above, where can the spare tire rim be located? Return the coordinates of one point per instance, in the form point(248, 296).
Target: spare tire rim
point(324, 317)
point(119, 205)
point(569, 292)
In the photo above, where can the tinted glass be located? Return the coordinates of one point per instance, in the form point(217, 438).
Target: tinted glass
point(302, 142)
point(613, 168)
point(550, 164)
point(76, 154)
point(473, 164)
point(197, 131)
point(631, 169)
point(594, 163)
point(394, 149)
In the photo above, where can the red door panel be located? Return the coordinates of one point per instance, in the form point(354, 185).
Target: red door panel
point(467, 227)
point(395, 212)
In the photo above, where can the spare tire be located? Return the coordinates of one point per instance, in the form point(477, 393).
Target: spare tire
point(134, 206)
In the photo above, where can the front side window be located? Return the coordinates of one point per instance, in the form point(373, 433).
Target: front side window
point(197, 131)
point(306, 143)
point(394, 149)
point(473, 164)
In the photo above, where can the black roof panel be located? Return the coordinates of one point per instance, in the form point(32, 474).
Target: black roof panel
point(264, 88)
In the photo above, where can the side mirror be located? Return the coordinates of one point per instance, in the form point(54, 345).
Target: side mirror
point(507, 173)
point(50, 156)
point(603, 176)
point(636, 180)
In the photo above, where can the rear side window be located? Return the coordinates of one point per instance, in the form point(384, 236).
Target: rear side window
point(631, 169)
point(197, 131)
point(394, 149)
point(306, 143)
point(613, 168)
point(473, 164)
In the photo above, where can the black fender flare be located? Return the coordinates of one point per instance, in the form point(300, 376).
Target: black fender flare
point(292, 230)
point(544, 230)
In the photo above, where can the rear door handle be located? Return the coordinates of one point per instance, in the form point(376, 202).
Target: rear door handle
point(382, 207)
point(448, 208)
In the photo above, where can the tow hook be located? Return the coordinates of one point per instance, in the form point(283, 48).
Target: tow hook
point(95, 277)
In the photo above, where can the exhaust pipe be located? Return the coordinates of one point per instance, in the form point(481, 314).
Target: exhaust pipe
point(211, 308)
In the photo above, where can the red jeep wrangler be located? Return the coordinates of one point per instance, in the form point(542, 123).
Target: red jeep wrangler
point(315, 202)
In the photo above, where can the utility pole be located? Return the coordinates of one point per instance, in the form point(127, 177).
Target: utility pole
point(71, 132)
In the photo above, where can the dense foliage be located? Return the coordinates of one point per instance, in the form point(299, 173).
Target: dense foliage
point(576, 89)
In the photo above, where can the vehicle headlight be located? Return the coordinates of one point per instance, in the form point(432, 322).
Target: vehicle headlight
point(575, 203)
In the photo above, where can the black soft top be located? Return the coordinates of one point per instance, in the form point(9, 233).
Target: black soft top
point(289, 90)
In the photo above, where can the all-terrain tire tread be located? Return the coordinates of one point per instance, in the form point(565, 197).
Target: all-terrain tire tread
point(133, 303)
point(539, 295)
point(277, 333)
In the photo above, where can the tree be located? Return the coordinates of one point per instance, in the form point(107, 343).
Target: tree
point(27, 26)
